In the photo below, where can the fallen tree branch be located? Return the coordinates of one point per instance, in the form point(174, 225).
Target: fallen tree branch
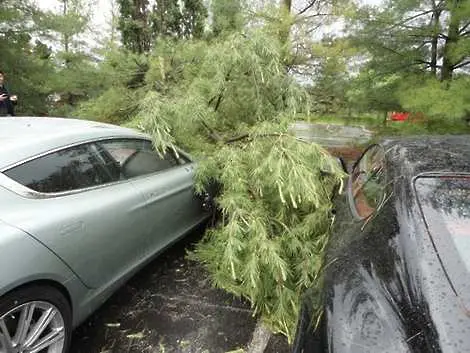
point(252, 137)
point(214, 135)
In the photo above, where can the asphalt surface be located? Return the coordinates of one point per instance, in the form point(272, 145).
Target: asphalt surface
point(170, 306)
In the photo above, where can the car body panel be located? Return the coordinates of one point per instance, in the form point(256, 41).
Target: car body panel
point(385, 287)
point(372, 290)
point(18, 250)
point(97, 245)
point(170, 190)
point(88, 240)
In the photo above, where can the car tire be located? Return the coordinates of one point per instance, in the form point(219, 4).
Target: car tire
point(35, 316)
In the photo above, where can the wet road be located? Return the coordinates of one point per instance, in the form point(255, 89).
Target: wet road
point(170, 306)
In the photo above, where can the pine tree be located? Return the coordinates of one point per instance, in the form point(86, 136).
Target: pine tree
point(230, 103)
point(134, 25)
point(26, 63)
point(141, 26)
point(194, 18)
point(227, 16)
point(66, 29)
point(414, 36)
point(166, 19)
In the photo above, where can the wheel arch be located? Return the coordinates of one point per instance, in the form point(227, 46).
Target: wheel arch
point(46, 283)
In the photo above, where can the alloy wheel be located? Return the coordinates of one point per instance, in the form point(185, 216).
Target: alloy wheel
point(33, 327)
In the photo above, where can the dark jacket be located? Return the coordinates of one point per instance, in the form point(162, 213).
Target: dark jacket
point(6, 106)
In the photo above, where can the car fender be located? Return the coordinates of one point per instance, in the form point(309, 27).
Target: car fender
point(25, 260)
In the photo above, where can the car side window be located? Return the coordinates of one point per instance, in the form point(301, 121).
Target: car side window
point(136, 157)
point(367, 182)
point(70, 169)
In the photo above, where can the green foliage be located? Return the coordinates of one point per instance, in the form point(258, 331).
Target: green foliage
point(119, 85)
point(414, 36)
point(230, 102)
point(115, 105)
point(430, 127)
point(194, 18)
point(166, 18)
point(227, 16)
point(26, 64)
point(222, 87)
point(445, 100)
point(73, 77)
point(372, 91)
point(268, 247)
point(142, 25)
point(331, 80)
point(66, 26)
point(134, 25)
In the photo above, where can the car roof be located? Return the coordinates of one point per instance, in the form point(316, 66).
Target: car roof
point(25, 137)
point(420, 154)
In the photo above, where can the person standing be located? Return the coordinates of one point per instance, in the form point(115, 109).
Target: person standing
point(7, 101)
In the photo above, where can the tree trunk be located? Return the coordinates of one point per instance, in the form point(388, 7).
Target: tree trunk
point(285, 26)
point(448, 62)
point(434, 41)
point(114, 21)
point(287, 4)
point(66, 37)
point(140, 16)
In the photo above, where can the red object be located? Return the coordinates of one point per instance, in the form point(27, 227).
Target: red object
point(399, 116)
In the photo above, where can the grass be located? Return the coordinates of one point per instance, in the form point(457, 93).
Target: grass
point(375, 123)
point(430, 127)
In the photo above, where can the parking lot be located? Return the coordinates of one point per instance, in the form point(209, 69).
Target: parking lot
point(170, 306)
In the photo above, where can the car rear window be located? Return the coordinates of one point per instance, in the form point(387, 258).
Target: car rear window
point(445, 202)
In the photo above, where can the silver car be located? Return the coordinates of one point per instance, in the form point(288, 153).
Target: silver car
point(83, 206)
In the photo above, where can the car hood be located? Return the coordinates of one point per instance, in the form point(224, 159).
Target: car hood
point(389, 292)
point(369, 318)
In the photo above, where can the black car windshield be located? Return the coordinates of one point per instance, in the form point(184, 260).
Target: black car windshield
point(445, 202)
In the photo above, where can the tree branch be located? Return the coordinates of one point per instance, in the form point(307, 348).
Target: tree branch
point(308, 7)
point(214, 135)
point(427, 63)
point(236, 139)
point(263, 16)
point(413, 17)
point(462, 64)
point(251, 137)
point(392, 50)
point(219, 100)
point(220, 96)
point(306, 18)
point(462, 30)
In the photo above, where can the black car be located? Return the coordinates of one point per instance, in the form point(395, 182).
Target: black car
point(397, 265)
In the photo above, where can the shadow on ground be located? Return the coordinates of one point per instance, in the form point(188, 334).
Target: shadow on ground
point(170, 306)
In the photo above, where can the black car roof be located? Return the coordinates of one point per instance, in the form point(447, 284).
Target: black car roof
point(415, 155)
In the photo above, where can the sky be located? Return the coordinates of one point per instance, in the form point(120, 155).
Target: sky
point(101, 13)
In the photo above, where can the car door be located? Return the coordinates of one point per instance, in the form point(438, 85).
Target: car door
point(80, 209)
point(166, 183)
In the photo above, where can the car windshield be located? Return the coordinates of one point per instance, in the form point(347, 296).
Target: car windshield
point(445, 202)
